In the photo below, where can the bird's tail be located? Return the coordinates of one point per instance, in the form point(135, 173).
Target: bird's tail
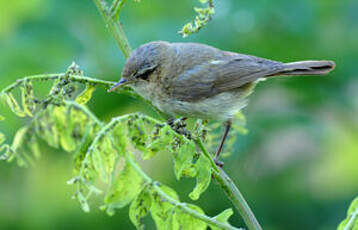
point(307, 68)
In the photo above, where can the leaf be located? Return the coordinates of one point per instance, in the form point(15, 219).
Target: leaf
point(161, 210)
point(27, 98)
point(187, 222)
point(223, 217)
point(125, 188)
point(352, 217)
point(2, 118)
point(19, 138)
point(138, 133)
point(203, 177)
point(139, 208)
point(120, 138)
point(160, 140)
point(14, 106)
point(103, 158)
point(184, 157)
point(86, 94)
point(83, 201)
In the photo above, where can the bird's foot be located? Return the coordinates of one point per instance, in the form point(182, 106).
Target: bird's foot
point(218, 163)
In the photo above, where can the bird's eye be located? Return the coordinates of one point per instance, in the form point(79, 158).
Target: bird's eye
point(144, 74)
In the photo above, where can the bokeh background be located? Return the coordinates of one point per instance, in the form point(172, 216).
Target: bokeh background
point(297, 167)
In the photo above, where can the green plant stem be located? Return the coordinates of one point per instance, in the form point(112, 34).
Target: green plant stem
point(352, 220)
point(115, 27)
point(234, 194)
point(231, 191)
point(116, 8)
point(55, 76)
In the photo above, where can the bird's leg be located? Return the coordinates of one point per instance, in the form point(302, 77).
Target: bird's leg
point(219, 149)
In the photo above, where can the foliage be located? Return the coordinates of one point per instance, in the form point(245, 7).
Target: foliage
point(105, 155)
point(203, 17)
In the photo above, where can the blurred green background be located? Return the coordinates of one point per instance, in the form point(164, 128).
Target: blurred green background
point(297, 167)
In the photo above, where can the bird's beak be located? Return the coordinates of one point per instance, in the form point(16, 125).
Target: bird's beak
point(121, 82)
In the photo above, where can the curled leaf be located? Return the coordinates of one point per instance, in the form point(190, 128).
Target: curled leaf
point(139, 208)
point(203, 177)
point(223, 217)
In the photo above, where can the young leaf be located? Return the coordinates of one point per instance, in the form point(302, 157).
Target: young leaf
point(120, 139)
point(19, 138)
point(139, 208)
point(103, 158)
point(86, 95)
point(223, 217)
point(161, 210)
point(14, 106)
point(83, 201)
point(184, 157)
point(203, 177)
point(187, 222)
point(160, 140)
point(125, 188)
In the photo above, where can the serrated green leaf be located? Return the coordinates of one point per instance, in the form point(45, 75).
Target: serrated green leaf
point(125, 188)
point(103, 158)
point(160, 140)
point(184, 158)
point(139, 208)
point(188, 222)
point(14, 106)
point(203, 177)
point(86, 94)
point(162, 210)
point(223, 217)
point(137, 131)
point(120, 138)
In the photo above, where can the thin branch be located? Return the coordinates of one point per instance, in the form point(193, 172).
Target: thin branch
point(116, 8)
point(115, 27)
point(232, 192)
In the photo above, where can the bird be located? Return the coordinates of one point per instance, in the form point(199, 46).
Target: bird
point(194, 80)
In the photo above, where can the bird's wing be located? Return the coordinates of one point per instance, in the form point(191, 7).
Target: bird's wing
point(215, 76)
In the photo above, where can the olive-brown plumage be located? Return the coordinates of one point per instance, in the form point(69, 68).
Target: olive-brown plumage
point(200, 81)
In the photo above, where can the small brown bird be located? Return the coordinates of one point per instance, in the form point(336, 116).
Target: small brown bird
point(200, 81)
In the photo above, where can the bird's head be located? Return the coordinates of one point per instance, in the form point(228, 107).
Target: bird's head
point(142, 64)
